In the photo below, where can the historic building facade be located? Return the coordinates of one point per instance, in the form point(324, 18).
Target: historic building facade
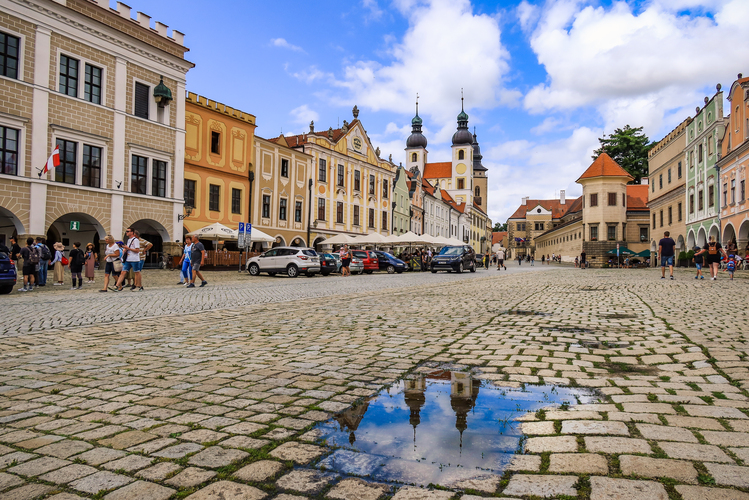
point(667, 180)
point(733, 165)
point(401, 203)
point(218, 153)
point(98, 85)
point(701, 157)
point(531, 219)
point(351, 185)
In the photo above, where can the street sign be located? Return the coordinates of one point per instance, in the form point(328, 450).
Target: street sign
point(75, 225)
point(240, 239)
point(248, 233)
point(241, 227)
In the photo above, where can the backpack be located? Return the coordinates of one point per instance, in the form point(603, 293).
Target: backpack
point(34, 255)
point(731, 266)
point(712, 249)
point(46, 254)
point(79, 259)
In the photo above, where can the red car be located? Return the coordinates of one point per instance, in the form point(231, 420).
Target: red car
point(368, 258)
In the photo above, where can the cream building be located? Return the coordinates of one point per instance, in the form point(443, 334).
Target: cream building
point(99, 85)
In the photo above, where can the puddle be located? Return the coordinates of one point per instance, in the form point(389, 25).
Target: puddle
point(518, 312)
point(440, 428)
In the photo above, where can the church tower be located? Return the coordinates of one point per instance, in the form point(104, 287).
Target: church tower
point(416, 144)
point(480, 182)
point(462, 157)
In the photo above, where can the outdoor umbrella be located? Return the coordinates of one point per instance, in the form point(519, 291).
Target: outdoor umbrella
point(441, 241)
point(622, 251)
point(645, 254)
point(215, 231)
point(409, 238)
point(258, 235)
point(339, 239)
point(369, 239)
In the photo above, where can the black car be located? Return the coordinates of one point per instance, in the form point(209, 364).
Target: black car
point(455, 258)
point(328, 264)
point(8, 275)
point(389, 263)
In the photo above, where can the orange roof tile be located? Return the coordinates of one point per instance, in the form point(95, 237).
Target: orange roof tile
point(604, 166)
point(438, 170)
point(498, 236)
point(637, 197)
point(575, 206)
point(426, 186)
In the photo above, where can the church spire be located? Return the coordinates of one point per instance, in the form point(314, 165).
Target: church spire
point(416, 139)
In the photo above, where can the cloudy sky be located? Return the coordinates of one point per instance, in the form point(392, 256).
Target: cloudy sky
point(542, 79)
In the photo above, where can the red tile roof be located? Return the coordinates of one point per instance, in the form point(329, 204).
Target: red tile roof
point(637, 197)
point(498, 236)
point(450, 201)
point(604, 166)
point(575, 206)
point(438, 170)
point(298, 140)
point(554, 206)
point(426, 186)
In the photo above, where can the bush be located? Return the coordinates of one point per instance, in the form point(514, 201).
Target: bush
point(690, 254)
point(605, 266)
point(683, 255)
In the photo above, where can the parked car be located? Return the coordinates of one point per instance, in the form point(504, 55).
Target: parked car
point(368, 258)
point(289, 260)
point(356, 266)
point(455, 258)
point(8, 275)
point(387, 262)
point(328, 264)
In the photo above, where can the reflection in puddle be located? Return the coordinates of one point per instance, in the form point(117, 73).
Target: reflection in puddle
point(442, 427)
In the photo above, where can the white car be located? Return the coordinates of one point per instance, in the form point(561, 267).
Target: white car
point(288, 260)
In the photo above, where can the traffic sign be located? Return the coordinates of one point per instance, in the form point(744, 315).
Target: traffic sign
point(75, 225)
point(248, 233)
point(241, 227)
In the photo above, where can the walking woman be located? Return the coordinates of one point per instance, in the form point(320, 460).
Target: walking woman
point(90, 262)
point(59, 269)
point(112, 257)
point(186, 275)
point(713, 251)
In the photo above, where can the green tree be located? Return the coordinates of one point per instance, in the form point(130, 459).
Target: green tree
point(629, 148)
point(499, 227)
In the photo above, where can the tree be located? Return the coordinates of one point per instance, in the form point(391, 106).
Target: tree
point(499, 227)
point(629, 148)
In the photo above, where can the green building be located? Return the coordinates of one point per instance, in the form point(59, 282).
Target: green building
point(401, 202)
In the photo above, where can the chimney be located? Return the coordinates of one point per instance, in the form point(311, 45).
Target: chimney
point(525, 200)
point(561, 197)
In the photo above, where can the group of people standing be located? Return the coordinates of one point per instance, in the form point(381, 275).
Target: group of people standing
point(36, 260)
point(193, 256)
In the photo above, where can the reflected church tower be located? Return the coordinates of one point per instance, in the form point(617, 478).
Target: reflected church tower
point(463, 394)
point(351, 418)
point(415, 399)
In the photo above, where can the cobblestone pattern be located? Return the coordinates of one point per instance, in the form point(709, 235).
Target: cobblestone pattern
point(221, 403)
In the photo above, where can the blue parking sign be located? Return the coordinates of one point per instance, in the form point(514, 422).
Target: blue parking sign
point(241, 227)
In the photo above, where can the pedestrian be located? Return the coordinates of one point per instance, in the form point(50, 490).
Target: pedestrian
point(76, 260)
point(577, 261)
point(731, 265)
point(113, 265)
point(44, 257)
point(486, 260)
point(666, 251)
point(15, 250)
point(698, 260)
point(30, 255)
point(197, 258)
point(145, 246)
point(184, 262)
point(501, 259)
point(543, 259)
point(90, 259)
point(533, 259)
point(131, 251)
point(57, 263)
point(345, 255)
point(582, 259)
point(712, 251)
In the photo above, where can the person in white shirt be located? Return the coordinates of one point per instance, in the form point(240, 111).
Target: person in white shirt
point(131, 250)
point(501, 259)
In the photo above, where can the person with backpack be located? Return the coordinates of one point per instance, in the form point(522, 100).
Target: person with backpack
point(77, 259)
point(45, 257)
point(731, 265)
point(698, 260)
point(30, 255)
point(58, 264)
point(713, 251)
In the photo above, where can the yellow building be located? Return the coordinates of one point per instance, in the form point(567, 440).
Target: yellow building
point(218, 153)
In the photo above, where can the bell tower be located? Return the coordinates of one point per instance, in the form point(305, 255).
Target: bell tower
point(416, 144)
point(462, 159)
point(480, 182)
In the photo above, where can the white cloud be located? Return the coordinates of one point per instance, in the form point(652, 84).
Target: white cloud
point(303, 115)
point(375, 12)
point(549, 124)
point(309, 75)
point(634, 66)
point(445, 48)
point(281, 42)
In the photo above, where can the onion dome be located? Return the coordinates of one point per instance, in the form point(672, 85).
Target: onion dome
point(462, 135)
point(416, 139)
point(477, 166)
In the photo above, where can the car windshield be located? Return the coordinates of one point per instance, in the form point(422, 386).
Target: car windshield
point(361, 255)
point(388, 255)
point(451, 251)
point(311, 253)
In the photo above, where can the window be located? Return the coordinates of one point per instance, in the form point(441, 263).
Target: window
point(691, 159)
point(733, 191)
point(652, 185)
point(282, 203)
point(321, 208)
point(214, 197)
point(624, 231)
point(710, 146)
point(371, 184)
point(92, 166)
point(356, 215)
point(700, 201)
point(158, 178)
point(711, 196)
point(341, 175)
point(339, 212)
point(612, 199)
point(322, 171)
point(518, 226)
point(92, 84)
point(266, 206)
point(461, 155)
point(725, 194)
point(298, 211)
point(742, 190)
point(669, 176)
point(236, 201)
point(461, 183)
point(68, 76)
point(593, 233)
point(9, 148)
point(190, 193)
point(678, 212)
point(384, 219)
point(138, 174)
point(643, 234)
point(670, 216)
point(142, 93)
point(215, 142)
point(384, 188)
point(678, 170)
point(691, 203)
point(661, 218)
point(699, 153)
point(284, 167)
point(477, 191)
point(653, 221)
point(611, 233)
point(660, 181)
point(414, 157)
point(594, 200)
point(357, 180)
point(539, 226)
point(371, 218)
point(9, 47)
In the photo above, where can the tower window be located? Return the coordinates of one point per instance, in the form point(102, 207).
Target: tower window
point(461, 155)
point(477, 191)
point(414, 157)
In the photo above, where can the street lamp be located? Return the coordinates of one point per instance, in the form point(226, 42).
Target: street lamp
point(189, 210)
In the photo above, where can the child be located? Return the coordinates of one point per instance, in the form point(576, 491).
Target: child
point(697, 259)
point(76, 259)
point(731, 265)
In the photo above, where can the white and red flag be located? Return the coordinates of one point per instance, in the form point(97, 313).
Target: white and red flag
point(52, 162)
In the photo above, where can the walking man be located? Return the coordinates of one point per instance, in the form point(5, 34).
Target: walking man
point(582, 259)
point(666, 251)
point(197, 259)
point(30, 256)
point(44, 257)
point(501, 259)
point(131, 250)
point(145, 246)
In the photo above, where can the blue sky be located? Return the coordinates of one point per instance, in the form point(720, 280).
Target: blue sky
point(542, 79)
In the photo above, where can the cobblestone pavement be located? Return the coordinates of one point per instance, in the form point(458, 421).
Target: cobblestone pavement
point(221, 403)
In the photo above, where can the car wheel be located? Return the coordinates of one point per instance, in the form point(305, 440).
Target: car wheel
point(292, 271)
point(254, 269)
point(391, 269)
point(326, 274)
point(5, 290)
point(271, 273)
point(460, 267)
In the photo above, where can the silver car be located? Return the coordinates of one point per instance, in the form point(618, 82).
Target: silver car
point(356, 266)
point(288, 260)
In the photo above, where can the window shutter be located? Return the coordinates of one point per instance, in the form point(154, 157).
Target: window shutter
point(141, 100)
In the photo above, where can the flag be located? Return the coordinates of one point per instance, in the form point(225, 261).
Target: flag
point(52, 162)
